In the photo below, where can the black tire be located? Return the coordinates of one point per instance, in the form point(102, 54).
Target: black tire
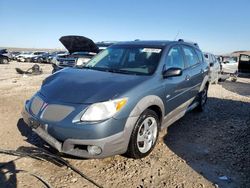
point(39, 60)
point(4, 61)
point(133, 148)
point(202, 99)
point(234, 78)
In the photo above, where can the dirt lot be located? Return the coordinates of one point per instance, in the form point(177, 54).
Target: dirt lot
point(209, 149)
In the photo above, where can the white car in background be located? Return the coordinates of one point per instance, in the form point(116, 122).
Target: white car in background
point(27, 56)
point(215, 68)
point(21, 57)
point(230, 67)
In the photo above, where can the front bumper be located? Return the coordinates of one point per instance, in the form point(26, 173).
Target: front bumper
point(110, 145)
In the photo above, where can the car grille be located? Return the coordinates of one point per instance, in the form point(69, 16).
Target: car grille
point(67, 63)
point(56, 112)
point(50, 112)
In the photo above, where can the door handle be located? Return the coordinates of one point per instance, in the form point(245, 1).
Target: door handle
point(187, 78)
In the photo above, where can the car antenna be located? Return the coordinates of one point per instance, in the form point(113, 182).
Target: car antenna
point(176, 35)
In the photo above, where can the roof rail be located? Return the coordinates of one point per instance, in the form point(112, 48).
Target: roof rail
point(194, 43)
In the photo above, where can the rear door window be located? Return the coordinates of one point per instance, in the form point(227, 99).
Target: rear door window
point(213, 59)
point(200, 55)
point(190, 56)
point(174, 58)
point(244, 57)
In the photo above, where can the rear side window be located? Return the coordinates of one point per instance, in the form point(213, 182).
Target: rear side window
point(200, 55)
point(213, 58)
point(174, 58)
point(190, 56)
point(244, 57)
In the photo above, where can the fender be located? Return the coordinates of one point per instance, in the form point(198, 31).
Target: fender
point(146, 102)
point(204, 82)
point(134, 115)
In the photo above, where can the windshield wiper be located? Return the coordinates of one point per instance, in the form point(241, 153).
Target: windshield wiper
point(113, 70)
point(120, 71)
point(95, 68)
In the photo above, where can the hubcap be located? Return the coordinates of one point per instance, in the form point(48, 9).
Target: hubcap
point(146, 135)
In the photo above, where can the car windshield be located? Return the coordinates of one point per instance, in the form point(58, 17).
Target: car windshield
point(127, 60)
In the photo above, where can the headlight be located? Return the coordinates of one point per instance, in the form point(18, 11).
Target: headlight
point(82, 61)
point(103, 110)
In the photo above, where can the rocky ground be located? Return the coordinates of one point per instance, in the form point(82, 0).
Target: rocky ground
point(209, 149)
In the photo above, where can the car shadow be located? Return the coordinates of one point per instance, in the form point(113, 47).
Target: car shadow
point(31, 137)
point(215, 143)
point(240, 88)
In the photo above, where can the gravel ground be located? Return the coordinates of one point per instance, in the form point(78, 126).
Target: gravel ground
point(209, 149)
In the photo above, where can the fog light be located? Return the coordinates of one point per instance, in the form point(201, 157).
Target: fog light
point(94, 150)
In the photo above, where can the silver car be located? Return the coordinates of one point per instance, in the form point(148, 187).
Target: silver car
point(215, 68)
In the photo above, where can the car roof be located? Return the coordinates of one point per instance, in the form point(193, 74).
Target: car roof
point(154, 43)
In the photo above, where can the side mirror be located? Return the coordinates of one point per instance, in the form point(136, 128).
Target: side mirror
point(211, 64)
point(172, 72)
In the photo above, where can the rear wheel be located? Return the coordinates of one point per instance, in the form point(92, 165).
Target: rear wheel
point(234, 77)
point(144, 135)
point(202, 98)
point(5, 61)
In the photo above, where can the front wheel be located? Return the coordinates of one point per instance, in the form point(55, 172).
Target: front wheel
point(202, 99)
point(144, 135)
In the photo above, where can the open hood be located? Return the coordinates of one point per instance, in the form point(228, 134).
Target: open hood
point(78, 44)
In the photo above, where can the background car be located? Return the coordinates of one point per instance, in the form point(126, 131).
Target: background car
point(52, 55)
point(244, 63)
point(80, 51)
point(215, 68)
point(40, 57)
point(32, 55)
point(13, 55)
point(4, 57)
point(229, 68)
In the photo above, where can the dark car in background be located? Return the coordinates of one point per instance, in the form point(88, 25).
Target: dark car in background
point(80, 50)
point(39, 58)
point(4, 57)
point(244, 63)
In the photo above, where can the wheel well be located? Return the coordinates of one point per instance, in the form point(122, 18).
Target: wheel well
point(157, 110)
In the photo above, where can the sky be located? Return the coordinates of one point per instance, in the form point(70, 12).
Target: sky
point(218, 26)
